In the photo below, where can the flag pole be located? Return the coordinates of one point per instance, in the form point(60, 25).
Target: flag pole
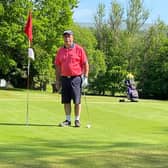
point(27, 102)
point(28, 32)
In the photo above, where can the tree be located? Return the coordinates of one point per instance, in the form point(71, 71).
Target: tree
point(100, 27)
point(114, 35)
point(116, 17)
point(50, 18)
point(153, 65)
point(12, 39)
point(136, 16)
point(115, 78)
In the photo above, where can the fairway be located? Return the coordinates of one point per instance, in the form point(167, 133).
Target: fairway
point(123, 134)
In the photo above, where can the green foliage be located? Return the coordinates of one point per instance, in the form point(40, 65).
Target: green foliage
point(97, 62)
point(1, 9)
point(50, 18)
point(136, 15)
point(100, 26)
point(152, 69)
point(115, 78)
point(111, 81)
point(134, 49)
point(116, 16)
point(6, 63)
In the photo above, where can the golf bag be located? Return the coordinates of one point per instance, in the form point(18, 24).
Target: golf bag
point(132, 92)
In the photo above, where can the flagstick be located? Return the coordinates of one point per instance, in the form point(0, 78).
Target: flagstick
point(28, 72)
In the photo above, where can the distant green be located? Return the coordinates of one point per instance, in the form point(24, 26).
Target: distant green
point(123, 134)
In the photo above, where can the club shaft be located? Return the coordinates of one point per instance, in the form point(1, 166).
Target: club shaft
point(86, 106)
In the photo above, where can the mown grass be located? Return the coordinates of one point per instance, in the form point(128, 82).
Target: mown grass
point(123, 135)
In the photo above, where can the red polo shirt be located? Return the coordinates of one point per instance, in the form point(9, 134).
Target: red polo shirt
point(71, 60)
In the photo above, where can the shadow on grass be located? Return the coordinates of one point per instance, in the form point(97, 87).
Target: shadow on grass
point(20, 124)
point(162, 130)
point(68, 153)
point(12, 89)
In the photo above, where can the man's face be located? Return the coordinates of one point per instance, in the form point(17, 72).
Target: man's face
point(68, 39)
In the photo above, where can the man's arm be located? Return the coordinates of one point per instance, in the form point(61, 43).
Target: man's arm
point(86, 69)
point(58, 75)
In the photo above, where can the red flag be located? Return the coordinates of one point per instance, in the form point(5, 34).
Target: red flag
point(28, 27)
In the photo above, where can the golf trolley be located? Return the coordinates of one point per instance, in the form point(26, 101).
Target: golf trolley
point(131, 91)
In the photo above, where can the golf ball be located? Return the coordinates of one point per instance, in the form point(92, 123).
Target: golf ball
point(88, 126)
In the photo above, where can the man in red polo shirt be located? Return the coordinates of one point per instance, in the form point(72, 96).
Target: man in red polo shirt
point(71, 64)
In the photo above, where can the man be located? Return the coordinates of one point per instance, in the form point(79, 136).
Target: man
point(72, 70)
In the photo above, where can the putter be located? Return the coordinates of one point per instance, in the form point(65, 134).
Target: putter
point(87, 111)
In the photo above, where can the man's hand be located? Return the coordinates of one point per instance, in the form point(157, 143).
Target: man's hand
point(84, 81)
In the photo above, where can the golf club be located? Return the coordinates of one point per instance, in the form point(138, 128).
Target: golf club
point(87, 111)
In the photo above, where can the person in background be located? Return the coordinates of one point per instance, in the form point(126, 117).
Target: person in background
point(72, 70)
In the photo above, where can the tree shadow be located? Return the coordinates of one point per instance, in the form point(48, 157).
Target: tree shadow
point(82, 153)
point(21, 124)
point(12, 89)
point(162, 130)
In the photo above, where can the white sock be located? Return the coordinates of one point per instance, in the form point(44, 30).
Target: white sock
point(77, 117)
point(68, 117)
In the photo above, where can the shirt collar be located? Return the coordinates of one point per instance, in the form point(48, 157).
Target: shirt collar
point(72, 46)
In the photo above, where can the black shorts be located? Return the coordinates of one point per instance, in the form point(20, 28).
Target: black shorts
point(71, 89)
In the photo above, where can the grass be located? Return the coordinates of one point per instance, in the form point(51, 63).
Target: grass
point(123, 135)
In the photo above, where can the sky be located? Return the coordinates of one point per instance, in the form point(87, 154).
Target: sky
point(87, 9)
